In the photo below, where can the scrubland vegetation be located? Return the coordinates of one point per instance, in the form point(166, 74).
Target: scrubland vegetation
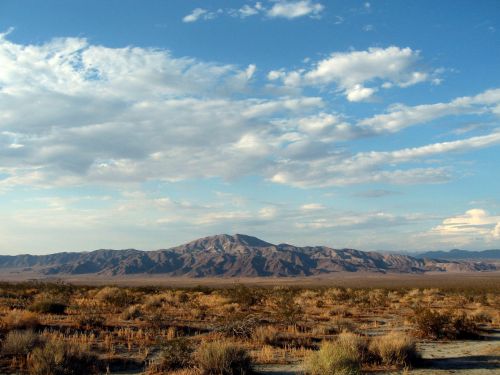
point(64, 329)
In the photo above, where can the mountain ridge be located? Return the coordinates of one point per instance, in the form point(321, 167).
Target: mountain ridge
point(236, 255)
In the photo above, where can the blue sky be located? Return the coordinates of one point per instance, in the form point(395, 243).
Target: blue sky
point(146, 124)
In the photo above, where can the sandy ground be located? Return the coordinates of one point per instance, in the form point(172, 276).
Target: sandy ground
point(438, 358)
point(345, 279)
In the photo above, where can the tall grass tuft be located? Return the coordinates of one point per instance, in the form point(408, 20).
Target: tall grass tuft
point(339, 357)
point(395, 348)
point(223, 358)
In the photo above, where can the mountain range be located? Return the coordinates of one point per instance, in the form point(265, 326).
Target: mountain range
point(457, 254)
point(232, 256)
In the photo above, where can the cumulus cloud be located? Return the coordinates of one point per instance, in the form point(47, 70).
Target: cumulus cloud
point(76, 113)
point(353, 72)
point(475, 225)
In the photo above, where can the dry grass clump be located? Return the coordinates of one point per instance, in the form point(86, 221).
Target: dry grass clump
point(20, 319)
point(222, 358)
point(58, 357)
point(395, 348)
point(265, 335)
point(340, 357)
point(20, 343)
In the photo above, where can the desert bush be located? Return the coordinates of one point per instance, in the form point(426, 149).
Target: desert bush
point(48, 307)
point(20, 319)
point(57, 357)
point(175, 354)
point(238, 326)
point(244, 296)
point(435, 325)
point(131, 313)
point(286, 309)
point(20, 343)
point(463, 327)
point(395, 348)
point(115, 296)
point(92, 321)
point(340, 357)
point(431, 324)
point(223, 358)
point(158, 320)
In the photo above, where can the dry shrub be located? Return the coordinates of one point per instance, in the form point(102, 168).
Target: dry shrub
point(223, 358)
point(265, 335)
point(395, 348)
point(58, 357)
point(238, 326)
point(435, 325)
point(132, 313)
point(48, 307)
point(342, 324)
point(20, 343)
point(90, 322)
point(114, 296)
point(175, 354)
point(20, 319)
point(340, 357)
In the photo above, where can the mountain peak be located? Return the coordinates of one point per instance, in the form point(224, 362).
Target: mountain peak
point(223, 243)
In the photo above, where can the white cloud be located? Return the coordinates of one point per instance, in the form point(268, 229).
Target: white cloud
point(197, 14)
point(401, 116)
point(375, 166)
point(88, 114)
point(352, 71)
point(293, 9)
point(312, 207)
point(288, 9)
point(475, 225)
point(268, 212)
point(496, 231)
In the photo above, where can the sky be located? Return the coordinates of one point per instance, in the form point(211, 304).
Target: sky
point(146, 124)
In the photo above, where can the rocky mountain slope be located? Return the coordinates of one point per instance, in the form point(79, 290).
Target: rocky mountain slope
point(232, 256)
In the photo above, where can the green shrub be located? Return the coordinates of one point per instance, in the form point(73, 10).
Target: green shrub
point(223, 358)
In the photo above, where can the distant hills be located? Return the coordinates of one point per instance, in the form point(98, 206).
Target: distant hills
point(233, 256)
point(457, 254)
